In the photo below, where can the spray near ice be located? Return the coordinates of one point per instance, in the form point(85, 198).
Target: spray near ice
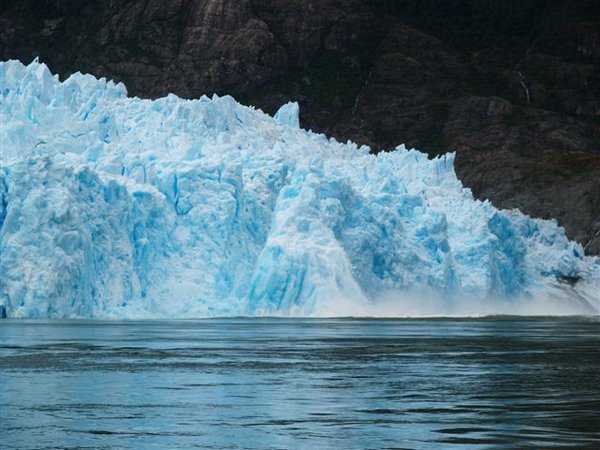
point(122, 207)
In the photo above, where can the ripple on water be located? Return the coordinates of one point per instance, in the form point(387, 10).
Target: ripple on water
point(287, 383)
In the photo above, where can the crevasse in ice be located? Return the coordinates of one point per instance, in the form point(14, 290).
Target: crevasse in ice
point(122, 207)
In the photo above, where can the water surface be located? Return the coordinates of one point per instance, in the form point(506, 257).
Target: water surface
point(301, 383)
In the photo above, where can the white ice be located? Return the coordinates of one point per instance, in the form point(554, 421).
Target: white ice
point(118, 207)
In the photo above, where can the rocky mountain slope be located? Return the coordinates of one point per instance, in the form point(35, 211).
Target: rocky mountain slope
point(512, 87)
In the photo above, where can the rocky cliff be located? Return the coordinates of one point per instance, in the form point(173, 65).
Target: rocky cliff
point(512, 87)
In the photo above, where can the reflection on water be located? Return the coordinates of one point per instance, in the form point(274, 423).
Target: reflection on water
point(297, 383)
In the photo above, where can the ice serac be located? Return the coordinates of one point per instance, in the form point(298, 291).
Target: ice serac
point(122, 207)
point(289, 114)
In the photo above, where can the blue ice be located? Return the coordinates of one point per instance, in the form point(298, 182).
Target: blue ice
point(120, 207)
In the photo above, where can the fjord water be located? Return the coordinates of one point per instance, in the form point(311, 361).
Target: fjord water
point(260, 383)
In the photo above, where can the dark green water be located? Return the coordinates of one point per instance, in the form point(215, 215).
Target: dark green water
point(294, 383)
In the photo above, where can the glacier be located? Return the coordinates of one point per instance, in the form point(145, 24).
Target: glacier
point(119, 207)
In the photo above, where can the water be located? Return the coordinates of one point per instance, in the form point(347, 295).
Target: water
point(290, 383)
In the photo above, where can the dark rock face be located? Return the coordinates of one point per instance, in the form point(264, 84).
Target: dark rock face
point(512, 87)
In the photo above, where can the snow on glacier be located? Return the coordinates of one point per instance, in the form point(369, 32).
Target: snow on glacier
point(122, 207)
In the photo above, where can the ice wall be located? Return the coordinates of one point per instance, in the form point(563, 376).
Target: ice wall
point(121, 207)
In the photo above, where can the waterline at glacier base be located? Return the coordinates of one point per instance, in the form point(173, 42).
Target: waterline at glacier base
point(118, 207)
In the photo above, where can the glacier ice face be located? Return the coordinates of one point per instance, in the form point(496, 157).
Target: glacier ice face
point(121, 207)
